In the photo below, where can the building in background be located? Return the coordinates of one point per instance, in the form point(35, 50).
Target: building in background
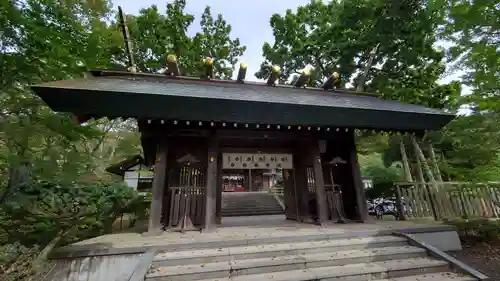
point(134, 173)
point(367, 182)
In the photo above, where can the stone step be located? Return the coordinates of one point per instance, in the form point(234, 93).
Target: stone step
point(249, 214)
point(249, 205)
point(441, 276)
point(346, 240)
point(243, 255)
point(291, 271)
point(252, 206)
point(251, 211)
point(242, 213)
point(245, 203)
point(293, 246)
point(305, 275)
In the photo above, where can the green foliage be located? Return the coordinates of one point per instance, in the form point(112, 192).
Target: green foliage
point(481, 230)
point(466, 149)
point(474, 30)
point(155, 35)
point(47, 40)
point(470, 145)
point(338, 36)
point(383, 177)
point(367, 143)
point(36, 213)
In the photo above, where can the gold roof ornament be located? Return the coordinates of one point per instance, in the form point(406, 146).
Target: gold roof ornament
point(304, 77)
point(209, 67)
point(242, 72)
point(275, 74)
point(172, 66)
point(333, 81)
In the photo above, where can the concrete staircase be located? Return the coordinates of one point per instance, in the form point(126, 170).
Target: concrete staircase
point(249, 204)
point(384, 258)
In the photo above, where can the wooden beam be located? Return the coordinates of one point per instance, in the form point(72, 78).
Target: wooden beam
point(158, 188)
point(209, 220)
point(321, 201)
point(261, 134)
point(254, 150)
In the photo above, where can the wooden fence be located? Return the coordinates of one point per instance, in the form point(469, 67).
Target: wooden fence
point(450, 200)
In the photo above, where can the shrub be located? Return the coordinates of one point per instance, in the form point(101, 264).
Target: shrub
point(485, 230)
point(35, 214)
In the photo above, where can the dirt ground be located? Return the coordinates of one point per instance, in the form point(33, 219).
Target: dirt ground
point(484, 257)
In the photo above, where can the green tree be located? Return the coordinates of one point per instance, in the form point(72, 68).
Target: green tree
point(46, 215)
point(473, 29)
point(338, 36)
point(49, 40)
point(155, 35)
point(383, 177)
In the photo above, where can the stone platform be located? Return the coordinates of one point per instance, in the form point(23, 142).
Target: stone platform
point(270, 248)
point(257, 229)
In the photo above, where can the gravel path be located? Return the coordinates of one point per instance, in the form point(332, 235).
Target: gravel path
point(481, 256)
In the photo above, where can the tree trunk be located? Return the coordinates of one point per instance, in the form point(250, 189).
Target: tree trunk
point(18, 175)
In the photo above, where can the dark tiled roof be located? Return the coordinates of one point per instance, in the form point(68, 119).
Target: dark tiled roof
point(154, 96)
point(121, 167)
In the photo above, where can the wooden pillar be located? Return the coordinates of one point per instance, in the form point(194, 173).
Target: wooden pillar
point(158, 187)
point(301, 191)
point(321, 201)
point(358, 182)
point(290, 195)
point(210, 213)
point(250, 180)
point(218, 203)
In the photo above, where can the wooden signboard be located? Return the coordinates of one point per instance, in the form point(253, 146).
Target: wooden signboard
point(256, 161)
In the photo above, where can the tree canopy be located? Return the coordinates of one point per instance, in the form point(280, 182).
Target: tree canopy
point(338, 36)
point(46, 40)
point(69, 196)
point(155, 35)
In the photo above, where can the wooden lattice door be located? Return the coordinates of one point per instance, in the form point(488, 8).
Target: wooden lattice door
point(186, 189)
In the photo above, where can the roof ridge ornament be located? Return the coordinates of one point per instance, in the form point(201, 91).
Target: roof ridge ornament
point(209, 67)
point(333, 81)
point(242, 72)
point(274, 75)
point(172, 66)
point(304, 78)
